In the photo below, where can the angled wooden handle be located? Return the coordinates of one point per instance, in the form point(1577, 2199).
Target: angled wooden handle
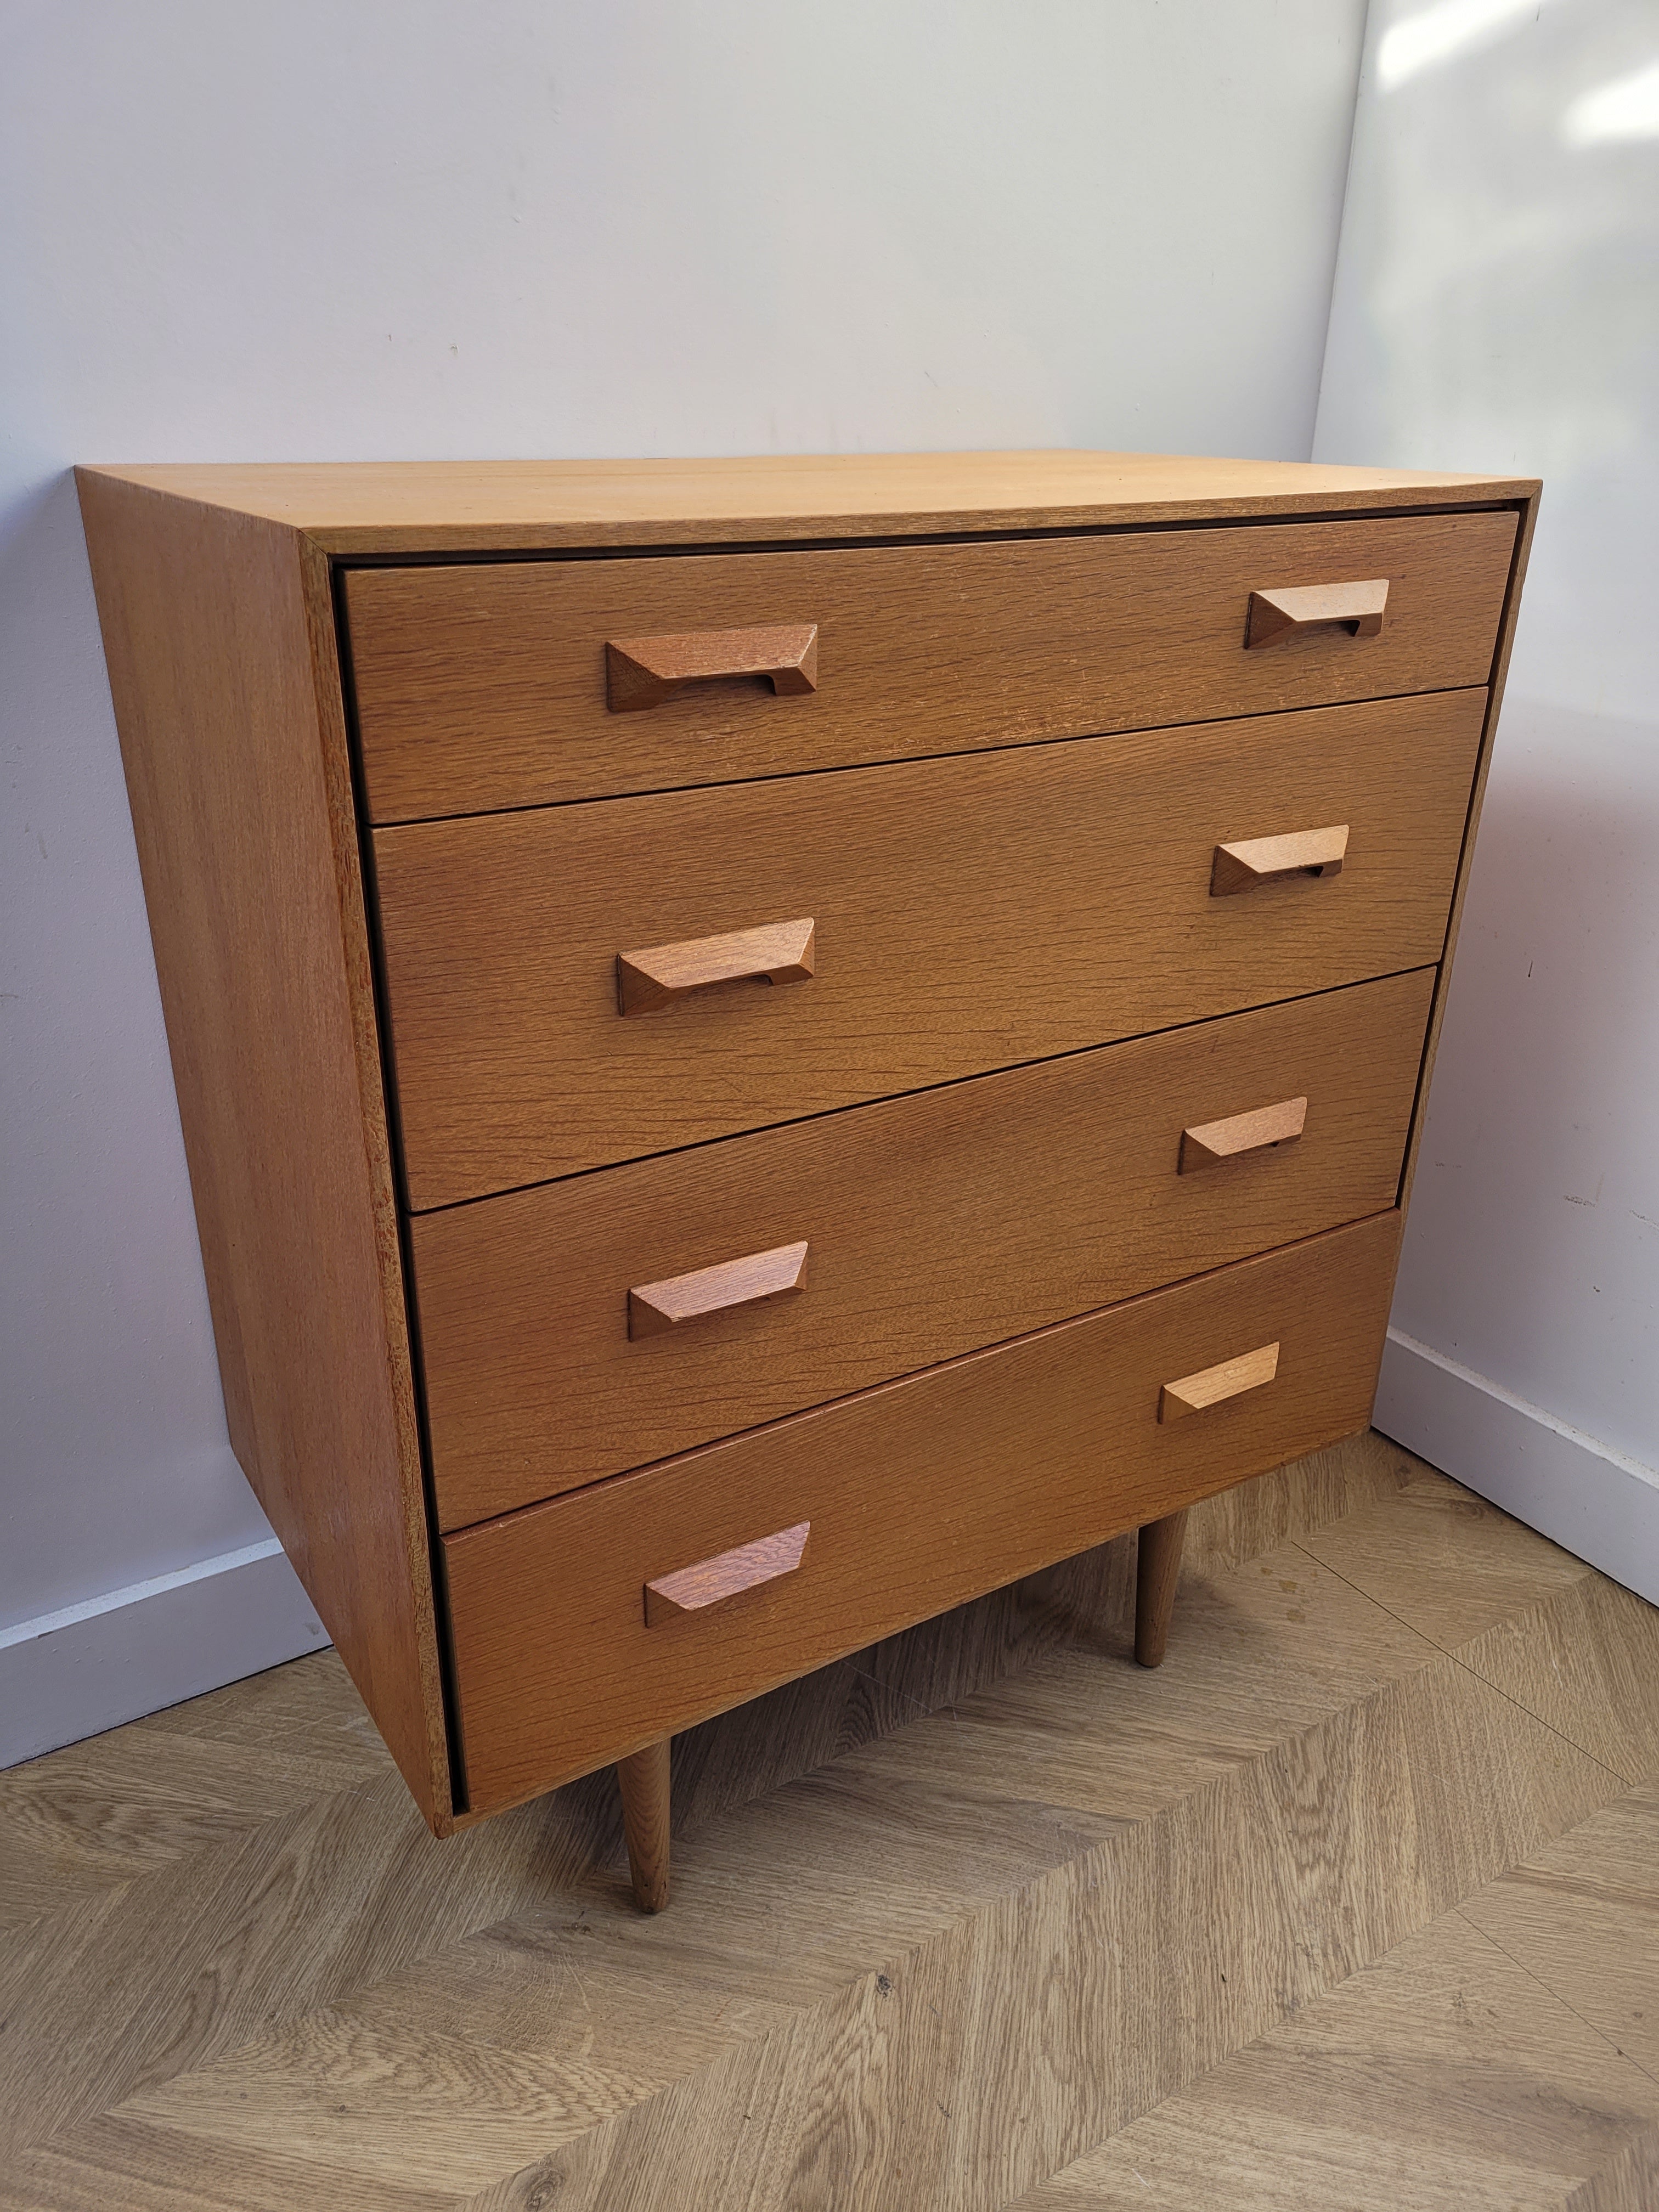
point(1210, 1385)
point(643, 671)
point(1252, 860)
point(1292, 611)
point(653, 1308)
point(713, 1581)
point(776, 952)
point(1207, 1142)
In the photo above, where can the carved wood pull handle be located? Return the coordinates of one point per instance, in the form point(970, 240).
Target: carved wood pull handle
point(712, 1582)
point(1210, 1385)
point(653, 1308)
point(643, 671)
point(1203, 1146)
point(1252, 860)
point(777, 952)
point(1293, 610)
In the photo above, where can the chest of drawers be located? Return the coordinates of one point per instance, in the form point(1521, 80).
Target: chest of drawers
point(767, 1047)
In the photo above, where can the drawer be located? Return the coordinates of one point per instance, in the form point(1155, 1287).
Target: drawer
point(489, 685)
point(901, 1502)
point(965, 914)
point(930, 1225)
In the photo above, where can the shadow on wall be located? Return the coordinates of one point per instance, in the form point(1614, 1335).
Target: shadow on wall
point(117, 1466)
point(1528, 1176)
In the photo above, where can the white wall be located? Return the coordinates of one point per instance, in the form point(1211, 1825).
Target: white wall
point(1496, 306)
point(324, 231)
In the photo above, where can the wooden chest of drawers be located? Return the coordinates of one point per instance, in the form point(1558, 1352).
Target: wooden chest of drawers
point(766, 1047)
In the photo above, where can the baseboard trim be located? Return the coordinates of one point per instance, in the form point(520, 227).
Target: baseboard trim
point(131, 1651)
point(1592, 1499)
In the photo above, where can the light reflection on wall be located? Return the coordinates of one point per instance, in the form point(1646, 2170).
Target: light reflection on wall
point(1433, 35)
point(1496, 306)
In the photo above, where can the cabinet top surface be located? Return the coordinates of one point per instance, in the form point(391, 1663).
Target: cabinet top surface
point(466, 506)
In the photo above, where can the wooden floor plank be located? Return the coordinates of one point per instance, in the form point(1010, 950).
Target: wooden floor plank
point(1295, 1500)
point(1582, 1916)
point(1442, 2079)
point(1629, 2182)
point(948, 1916)
point(162, 1974)
point(118, 1806)
point(965, 2069)
point(1585, 1660)
point(118, 2165)
point(1538, 1624)
point(308, 1708)
point(1442, 1560)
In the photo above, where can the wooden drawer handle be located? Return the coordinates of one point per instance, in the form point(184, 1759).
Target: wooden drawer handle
point(1208, 1142)
point(1252, 860)
point(1292, 612)
point(777, 952)
point(653, 1308)
point(1230, 1379)
point(643, 671)
point(712, 1582)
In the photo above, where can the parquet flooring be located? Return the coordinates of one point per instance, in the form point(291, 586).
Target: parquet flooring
point(1353, 1904)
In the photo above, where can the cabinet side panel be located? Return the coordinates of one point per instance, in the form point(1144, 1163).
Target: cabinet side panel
point(221, 665)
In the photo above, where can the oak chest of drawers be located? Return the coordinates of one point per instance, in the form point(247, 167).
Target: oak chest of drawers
point(766, 1047)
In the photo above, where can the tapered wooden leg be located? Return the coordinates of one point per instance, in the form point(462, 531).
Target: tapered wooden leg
point(1157, 1571)
point(644, 1779)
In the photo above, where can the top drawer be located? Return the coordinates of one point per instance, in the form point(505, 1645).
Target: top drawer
point(485, 687)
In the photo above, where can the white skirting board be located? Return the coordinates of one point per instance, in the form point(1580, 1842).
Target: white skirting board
point(73, 1674)
point(1590, 1499)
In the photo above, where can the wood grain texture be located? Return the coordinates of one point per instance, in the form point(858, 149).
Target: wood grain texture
point(955, 1916)
point(1263, 1128)
point(1275, 616)
point(650, 981)
point(1444, 2078)
point(919, 1493)
point(1248, 862)
point(1585, 1920)
point(654, 1308)
point(641, 672)
point(1219, 1385)
point(1516, 1610)
point(1157, 1570)
point(217, 605)
point(220, 643)
point(970, 914)
point(484, 686)
point(644, 1779)
point(937, 1224)
point(417, 507)
point(729, 1575)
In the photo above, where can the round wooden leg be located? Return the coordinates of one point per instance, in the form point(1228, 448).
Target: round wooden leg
point(643, 1776)
point(1157, 1569)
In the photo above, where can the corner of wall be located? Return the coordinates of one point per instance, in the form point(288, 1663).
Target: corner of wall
point(73, 1674)
point(1593, 1501)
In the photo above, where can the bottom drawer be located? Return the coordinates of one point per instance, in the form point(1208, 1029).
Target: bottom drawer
point(913, 1497)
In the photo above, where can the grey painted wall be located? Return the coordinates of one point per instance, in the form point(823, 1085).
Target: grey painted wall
point(1498, 307)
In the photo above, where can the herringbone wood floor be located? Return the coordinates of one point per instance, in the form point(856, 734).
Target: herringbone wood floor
point(1355, 1904)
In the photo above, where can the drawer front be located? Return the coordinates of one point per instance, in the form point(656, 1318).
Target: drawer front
point(914, 1497)
point(965, 914)
point(487, 686)
point(931, 1225)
